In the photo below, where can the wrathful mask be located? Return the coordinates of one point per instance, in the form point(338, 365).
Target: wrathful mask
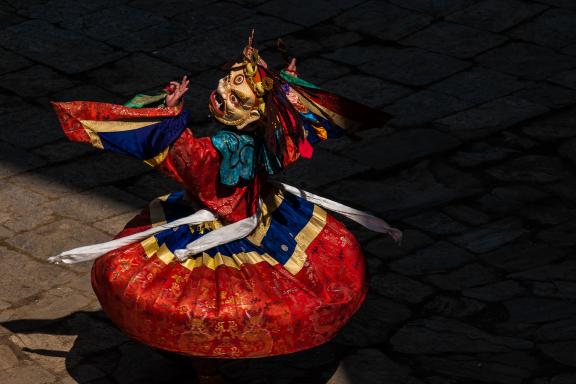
point(234, 102)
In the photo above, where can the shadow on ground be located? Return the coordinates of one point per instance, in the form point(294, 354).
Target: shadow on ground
point(101, 354)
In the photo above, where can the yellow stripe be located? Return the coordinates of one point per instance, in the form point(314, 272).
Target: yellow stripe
point(304, 239)
point(115, 126)
point(158, 159)
point(150, 246)
point(165, 254)
point(272, 202)
point(94, 139)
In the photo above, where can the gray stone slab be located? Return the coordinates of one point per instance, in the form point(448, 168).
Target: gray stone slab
point(557, 126)
point(557, 330)
point(480, 153)
point(305, 173)
point(564, 270)
point(45, 81)
point(496, 15)
point(412, 191)
point(527, 60)
point(170, 8)
point(222, 45)
point(440, 335)
point(96, 204)
point(498, 368)
point(563, 352)
point(539, 310)
point(490, 117)
point(436, 7)
point(386, 151)
point(454, 40)
point(32, 277)
point(522, 255)
point(373, 322)
point(108, 23)
point(12, 62)
point(454, 307)
point(435, 222)
point(561, 235)
point(400, 288)
point(199, 20)
point(466, 214)
point(28, 126)
point(470, 275)
point(554, 28)
point(508, 200)
point(499, 291)
point(548, 213)
point(358, 54)
point(82, 174)
point(422, 107)
point(316, 11)
point(478, 85)
point(14, 160)
point(568, 150)
point(56, 237)
point(65, 50)
point(318, 70)
point(530, 168)
point(549, 95)
point(150, 39)
point(367, 90)
point(385, 248)
point(439, 257)
point(371, 366)
point(413, 66)
point(58, 11)
point(566, 79)
point(382, 20)
point(26, 372)
point(136, 73)
point(490, 236)
point(557, 289)
point(568, 4)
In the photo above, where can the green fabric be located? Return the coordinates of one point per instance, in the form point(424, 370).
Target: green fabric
point(150, 101)
point(296, 80)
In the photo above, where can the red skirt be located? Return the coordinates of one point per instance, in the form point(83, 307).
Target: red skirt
point(289, 286)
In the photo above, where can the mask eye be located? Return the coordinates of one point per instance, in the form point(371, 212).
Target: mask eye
point(239, 79)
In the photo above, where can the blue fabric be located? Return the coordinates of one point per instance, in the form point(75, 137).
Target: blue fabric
point(279, 241)
point(237, 156)
point(146, 142)
point(287, 221)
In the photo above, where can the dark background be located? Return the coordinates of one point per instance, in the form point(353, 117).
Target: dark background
point(477, 168)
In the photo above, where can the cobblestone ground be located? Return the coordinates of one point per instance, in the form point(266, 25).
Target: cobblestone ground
point(477, 168)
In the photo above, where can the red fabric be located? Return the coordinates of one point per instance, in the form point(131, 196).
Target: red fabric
point(70, 113)
point(258, 310)
point(195, 163)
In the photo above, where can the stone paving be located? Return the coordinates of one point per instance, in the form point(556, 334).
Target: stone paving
point(477, 167)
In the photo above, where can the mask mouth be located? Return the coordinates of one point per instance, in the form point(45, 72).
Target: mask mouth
point(217, 104)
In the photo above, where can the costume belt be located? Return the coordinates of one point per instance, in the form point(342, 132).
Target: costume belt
point(224, 234)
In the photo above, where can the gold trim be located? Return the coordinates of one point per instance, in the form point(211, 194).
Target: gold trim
point(150, 246)
point(304, 238)
point(273, 201)
point(115, 126)
point(158, 159)
point(94, 139)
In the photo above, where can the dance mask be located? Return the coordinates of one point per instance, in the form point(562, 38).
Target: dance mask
point(238, 99)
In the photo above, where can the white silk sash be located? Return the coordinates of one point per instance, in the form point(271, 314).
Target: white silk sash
point(224, 234)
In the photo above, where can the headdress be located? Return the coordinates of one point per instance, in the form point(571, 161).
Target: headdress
point(296, 114)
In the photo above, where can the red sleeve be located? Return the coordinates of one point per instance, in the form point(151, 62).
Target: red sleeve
point(195, 163)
